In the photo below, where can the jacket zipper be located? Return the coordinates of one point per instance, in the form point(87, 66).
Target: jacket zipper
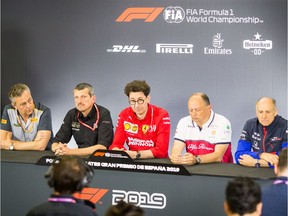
point(264, 138)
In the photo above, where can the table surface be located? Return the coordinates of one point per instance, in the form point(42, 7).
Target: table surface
point(212, 169)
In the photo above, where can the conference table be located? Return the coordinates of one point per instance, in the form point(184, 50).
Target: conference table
point(157, 185)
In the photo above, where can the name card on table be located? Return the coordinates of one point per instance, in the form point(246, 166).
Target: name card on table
point(120, 160)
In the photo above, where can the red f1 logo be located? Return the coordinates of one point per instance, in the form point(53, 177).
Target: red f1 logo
point(148, 14)
point(91, 194)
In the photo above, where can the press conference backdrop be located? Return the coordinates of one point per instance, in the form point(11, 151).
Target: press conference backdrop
point(235, 51)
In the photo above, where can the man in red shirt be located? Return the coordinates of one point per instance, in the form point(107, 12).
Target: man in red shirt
point(144, 127)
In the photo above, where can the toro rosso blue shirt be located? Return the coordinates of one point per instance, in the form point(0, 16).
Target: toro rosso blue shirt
point(256, 138)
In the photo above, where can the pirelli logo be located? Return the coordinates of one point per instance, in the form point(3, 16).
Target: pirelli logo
point(174, 48)
point(94, 195)
point(148, 14)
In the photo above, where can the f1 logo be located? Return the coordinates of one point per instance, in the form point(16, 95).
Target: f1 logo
point(148, 14)
point(91, 194)
point(99, 154)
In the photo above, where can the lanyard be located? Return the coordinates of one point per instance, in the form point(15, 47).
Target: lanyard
point(31, 126)
point(68, 200)
point(96, 122)
point(280, 182)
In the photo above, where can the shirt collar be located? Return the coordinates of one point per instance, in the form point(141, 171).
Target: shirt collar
point(90, 115)
point(146, 116)
point(32, 115)
point(208, 123)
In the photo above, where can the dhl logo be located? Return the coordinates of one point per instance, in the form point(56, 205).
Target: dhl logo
point(148, 14)
point(91, 194)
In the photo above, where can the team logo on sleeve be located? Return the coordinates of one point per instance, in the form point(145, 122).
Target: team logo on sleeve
point(3, 121)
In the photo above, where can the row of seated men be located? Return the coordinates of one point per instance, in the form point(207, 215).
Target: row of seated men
point(201, 137)
point(243, 197)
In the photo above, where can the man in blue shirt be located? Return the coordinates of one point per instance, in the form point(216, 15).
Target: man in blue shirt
point(25, 124)
point(263, 137)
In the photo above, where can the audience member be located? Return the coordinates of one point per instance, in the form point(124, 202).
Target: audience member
point(124, 209)
point(25, 125)
point(67, 175)
point(243, 198)
point(205, 135)
point(274, 197)
point(144, 127)
point(89, 123)
point(262, 137)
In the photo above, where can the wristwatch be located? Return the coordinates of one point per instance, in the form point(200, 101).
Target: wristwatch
point(257, 164)
point(138, 155)
point(11, 147)
point(198, 159)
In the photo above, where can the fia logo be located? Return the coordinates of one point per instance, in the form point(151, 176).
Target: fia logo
point(174, 14)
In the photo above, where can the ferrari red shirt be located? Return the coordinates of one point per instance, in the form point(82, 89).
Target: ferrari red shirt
point(151, 133)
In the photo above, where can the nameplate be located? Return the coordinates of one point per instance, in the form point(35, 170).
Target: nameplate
point(46, 160)
point(110, 155)
point(121, 161)
point(146, 167)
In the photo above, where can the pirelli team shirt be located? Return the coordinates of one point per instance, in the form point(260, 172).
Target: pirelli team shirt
point(216, 131)
point(40, 119)
point(151, 133)
point(74, 125)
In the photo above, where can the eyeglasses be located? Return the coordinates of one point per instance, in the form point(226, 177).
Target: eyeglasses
point(139, 101)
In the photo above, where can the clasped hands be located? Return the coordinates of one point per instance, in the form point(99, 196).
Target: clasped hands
point(186, 159)
point(60, 149)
